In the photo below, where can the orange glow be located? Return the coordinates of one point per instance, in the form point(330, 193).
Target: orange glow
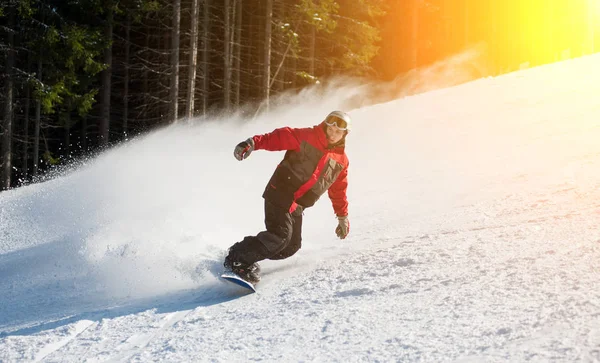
point(514, 32)
point(557, 26)
point(542, 31)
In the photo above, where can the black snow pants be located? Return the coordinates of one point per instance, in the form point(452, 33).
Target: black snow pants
point(282, 238)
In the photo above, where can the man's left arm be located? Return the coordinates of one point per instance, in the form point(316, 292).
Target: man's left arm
point(339, 200)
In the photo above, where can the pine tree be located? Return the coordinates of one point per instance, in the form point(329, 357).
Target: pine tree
point(5, 175)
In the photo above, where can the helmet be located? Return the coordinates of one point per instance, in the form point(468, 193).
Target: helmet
point(339, 119)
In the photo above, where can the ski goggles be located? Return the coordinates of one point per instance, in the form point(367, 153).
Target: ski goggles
point(336, 122)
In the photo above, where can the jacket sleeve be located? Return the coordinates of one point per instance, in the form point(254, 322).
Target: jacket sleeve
point(337, 194)
point(284, 138)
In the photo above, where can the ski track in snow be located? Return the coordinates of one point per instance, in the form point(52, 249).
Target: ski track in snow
point(140, 332)
point(480, 244)
point(74, 331)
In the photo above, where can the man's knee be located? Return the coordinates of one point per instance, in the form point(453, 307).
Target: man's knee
point(289, 251)
point(273, 242)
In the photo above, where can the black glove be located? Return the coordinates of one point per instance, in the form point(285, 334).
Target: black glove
point(343, 227)
point(243, 149)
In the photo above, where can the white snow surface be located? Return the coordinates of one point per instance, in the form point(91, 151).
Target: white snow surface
point(475, 219)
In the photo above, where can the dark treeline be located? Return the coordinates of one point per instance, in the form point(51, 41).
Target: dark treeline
point(78, 75)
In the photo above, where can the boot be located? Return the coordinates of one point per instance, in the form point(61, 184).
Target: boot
point(249, 273)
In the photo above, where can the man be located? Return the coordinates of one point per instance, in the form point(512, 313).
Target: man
point(315, 162)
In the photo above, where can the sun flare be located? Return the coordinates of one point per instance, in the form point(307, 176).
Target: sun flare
point(549, 31)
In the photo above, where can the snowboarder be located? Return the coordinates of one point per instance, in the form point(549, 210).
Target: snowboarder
point(315, 162)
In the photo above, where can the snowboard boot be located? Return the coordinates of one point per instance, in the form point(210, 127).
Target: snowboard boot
point(249, 273)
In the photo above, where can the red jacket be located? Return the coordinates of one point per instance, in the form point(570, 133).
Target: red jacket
point(310, 167)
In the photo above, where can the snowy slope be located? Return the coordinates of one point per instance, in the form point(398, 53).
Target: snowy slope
point(475, 214)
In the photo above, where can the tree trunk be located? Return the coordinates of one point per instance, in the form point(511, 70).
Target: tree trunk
point(277, 78)
point(83, 135)
point(293, 71)
point(267, 53)
point(126, 78)
point(8, 107)
point(25, 149)
point(104, 121)
point(311, 54)
point(227, 60)
point(38, 119)
point(250, 56)
point(193, 62)
point(67, 146)
point(238, 53)
point(205, 58)
point(174, 90)
point(145, 89)
point(280, 66)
